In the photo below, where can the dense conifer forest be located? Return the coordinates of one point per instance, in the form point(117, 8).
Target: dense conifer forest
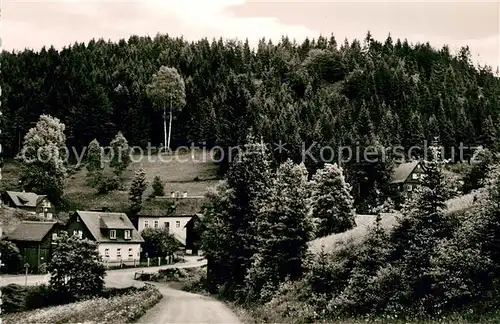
point(308, 95)
point(318, 90)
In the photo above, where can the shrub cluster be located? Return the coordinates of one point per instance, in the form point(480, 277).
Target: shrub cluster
point(431, 264)
point(119, 309)
point(16, 298)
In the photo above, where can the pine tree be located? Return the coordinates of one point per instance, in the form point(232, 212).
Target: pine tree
point(158, 189)
point(120, 153)
point(137, 188)
point(332, 201)
point(283, 228)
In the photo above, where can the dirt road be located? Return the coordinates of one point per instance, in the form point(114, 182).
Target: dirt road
point(183, 307)
point(114, 278)
point(175, 307)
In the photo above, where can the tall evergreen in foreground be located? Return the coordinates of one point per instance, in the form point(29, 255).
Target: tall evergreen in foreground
point(230, 238)
point(332, 201)
point(283, 229)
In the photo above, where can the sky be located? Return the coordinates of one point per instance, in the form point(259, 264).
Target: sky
point(33, 24)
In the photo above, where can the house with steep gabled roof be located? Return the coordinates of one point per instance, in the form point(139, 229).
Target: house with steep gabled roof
point(118, 240)
point(175, 214)
point(34, 239)
point(407, 175)
point(29, 202)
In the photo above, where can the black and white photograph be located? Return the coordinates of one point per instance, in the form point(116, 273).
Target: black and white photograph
point(247, 162)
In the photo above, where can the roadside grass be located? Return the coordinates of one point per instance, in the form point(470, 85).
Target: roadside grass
point(192, 172)
point(125, 308)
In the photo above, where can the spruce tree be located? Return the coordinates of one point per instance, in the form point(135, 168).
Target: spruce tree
point(121, 153)
point(158, 189)
point(332, 201)
point(423, 225)
point(283, 228)
point(137, 188)
point(235, 210)
point(93, 163)
point(93, 158)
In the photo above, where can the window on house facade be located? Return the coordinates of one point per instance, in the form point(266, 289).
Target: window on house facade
point(112, 234)
point(146, 224)
point(49, 216)
point(410, 188)
point(414, 176)
point(156, 224)
point(106, 253)
point(78, 219)
point(166, 225)
point(119, 253)
point(78, 233)
point(127, 234)
point(130, 254)
point(177, 224)
point(54, 236)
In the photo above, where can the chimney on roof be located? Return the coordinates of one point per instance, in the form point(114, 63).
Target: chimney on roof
point(184, 194)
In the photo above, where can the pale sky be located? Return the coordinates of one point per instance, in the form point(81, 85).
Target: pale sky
point(34, 24)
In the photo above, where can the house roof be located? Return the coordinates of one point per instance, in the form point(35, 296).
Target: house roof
point(95, 221)
point(403, 171)
point(31, 231)
point(167, 206)
point(25, 199)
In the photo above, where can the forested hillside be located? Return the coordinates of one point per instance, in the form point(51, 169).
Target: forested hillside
point(317, 92)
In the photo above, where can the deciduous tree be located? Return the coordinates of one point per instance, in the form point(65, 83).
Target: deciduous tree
point(167, 88)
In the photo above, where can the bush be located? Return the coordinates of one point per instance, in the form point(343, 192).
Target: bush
point(11, 257)
point(13, 297)
point(106, 184)
point(121, 309)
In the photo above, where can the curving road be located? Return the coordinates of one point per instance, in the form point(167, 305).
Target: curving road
point(175, 307)
point(182, 307)
point(114, 278)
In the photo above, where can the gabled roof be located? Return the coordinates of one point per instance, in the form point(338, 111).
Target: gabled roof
point(31, 231)
point(175, 207)
point(25, 199)
point(95, 221)
point(403, 171)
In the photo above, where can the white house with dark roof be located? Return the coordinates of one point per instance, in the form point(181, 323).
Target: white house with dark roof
point(29, 202)
point(175, 214)
point(117, 238)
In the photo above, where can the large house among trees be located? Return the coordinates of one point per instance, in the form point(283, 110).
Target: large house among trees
point(177, 214)
point(118, 240)
point(29, 202)
point(406, 176)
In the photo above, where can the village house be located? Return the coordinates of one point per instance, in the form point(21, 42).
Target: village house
point(177, 214)
point(118, 240)
point(29, 202)
point(407, 176)
point(35, 241)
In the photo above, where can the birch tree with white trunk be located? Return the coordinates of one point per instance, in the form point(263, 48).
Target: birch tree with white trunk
point(167, 89)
